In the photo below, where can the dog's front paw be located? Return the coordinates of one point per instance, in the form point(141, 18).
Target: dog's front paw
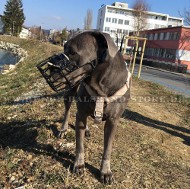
point(79, 164)
point(106, 174)
point(87, 133)
point(62, 133)
point(106, 178)
point(79, 169)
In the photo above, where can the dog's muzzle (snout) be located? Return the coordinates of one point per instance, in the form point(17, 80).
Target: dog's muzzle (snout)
point(57, 71)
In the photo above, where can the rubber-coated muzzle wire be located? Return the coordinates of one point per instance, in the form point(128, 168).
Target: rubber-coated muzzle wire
point(57, 71)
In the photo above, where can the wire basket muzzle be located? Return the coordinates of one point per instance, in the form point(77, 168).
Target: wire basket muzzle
point(56, 70)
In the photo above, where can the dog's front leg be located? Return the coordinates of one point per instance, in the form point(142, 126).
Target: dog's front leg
point(109, 134)
point(80, 133)
point(68, 99)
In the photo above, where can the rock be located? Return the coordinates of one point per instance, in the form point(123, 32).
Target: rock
point(16, 50)
point(12, 179)
point(11, 67)
point(29, 157)
point(5, 67)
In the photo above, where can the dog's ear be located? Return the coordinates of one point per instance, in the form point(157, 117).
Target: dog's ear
point(106, 46)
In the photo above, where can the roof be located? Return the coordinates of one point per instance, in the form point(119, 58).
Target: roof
point(130, 9)
point(166, 28)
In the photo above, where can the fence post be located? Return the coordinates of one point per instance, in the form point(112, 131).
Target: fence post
point(142, 55)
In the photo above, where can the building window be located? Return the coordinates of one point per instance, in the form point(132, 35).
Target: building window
point(171, 36)
point(162, 52)
point(121, 12)
point(108, 19)
point(158, 36)
point(155, 36)
point(170, 53)
point(166, 35)
point(120, 21)
point(114, 20)
point(151, 36)
point(119, 30)
point(174, 36)
point(107, 29)
point(125, 32)
point(126, 22)
point(161, 36)
point(147, 36)
point(112, 31)
point(155, 52)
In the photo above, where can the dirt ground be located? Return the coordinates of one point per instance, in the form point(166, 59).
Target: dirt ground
point(151, 148)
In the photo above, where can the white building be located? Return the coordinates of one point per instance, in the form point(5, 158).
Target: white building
point(118, 18)
point(25, 33)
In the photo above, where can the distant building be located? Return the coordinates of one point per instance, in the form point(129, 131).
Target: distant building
point(1, 25)
point(52, 31)
point(118, 18)
point(171, 44)
point(25, 33)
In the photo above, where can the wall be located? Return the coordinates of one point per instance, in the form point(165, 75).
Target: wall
point(169, 45)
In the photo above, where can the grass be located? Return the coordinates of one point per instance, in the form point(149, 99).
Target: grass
point(25, 74)
point(151, 148)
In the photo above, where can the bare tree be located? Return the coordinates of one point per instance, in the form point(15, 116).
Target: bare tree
point(35, 32)
point(140, 15)
point(88, 20)
point(185, 36)
point(186, 16)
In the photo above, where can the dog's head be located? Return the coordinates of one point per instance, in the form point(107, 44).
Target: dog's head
point(86, 51)
point(81, 55)
point(89, 46)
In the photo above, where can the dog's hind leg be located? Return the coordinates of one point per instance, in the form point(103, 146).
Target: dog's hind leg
point(109, 134)
point(80, 133)
point(68, 99)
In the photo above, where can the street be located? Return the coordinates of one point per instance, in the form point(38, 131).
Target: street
point(178, 83)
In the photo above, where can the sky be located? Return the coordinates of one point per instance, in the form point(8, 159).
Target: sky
point(58, 14)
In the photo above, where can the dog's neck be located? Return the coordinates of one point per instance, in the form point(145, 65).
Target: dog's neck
point(103, 90)
point(108, 77)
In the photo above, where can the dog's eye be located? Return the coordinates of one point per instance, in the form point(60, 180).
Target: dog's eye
point(73, 53)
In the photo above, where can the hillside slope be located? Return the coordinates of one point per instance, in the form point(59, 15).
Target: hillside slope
point(151, 149)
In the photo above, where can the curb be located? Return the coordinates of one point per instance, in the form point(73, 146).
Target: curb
point(175, 73)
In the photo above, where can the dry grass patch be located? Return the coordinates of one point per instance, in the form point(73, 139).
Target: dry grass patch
point(151, 149)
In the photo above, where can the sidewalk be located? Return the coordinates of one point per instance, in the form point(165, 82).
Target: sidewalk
point(177, 82)
point(159, 69)
point(167, 71)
